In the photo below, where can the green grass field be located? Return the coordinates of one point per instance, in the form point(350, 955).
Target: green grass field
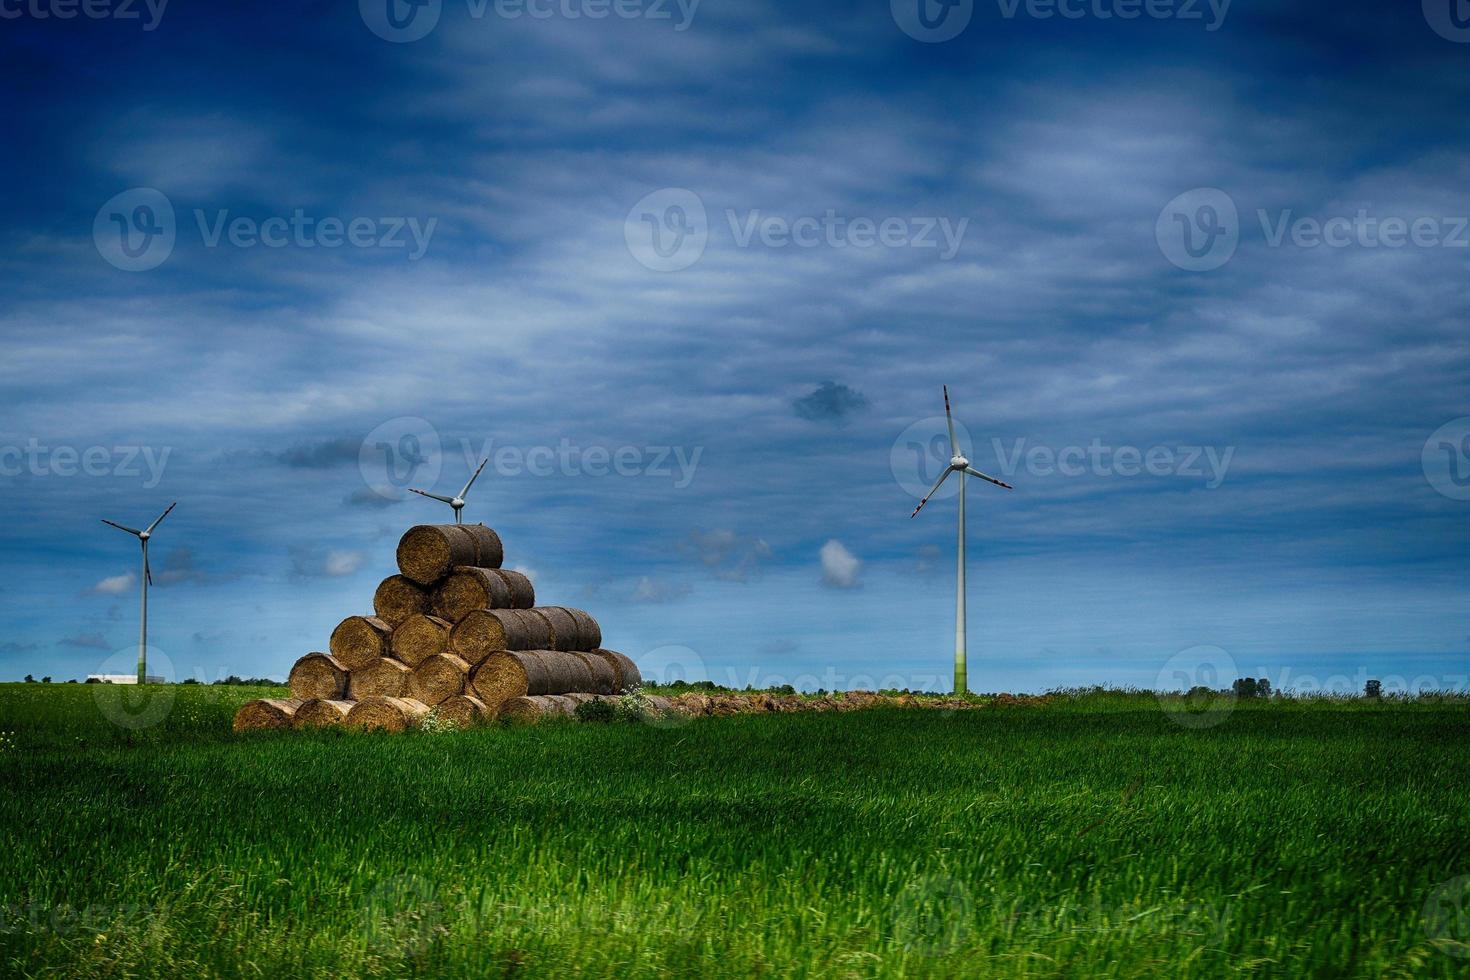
point(1093, 836)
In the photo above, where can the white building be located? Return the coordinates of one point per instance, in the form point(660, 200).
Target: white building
point(123, 679)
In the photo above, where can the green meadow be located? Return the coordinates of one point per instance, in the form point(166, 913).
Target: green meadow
point(1094, 835)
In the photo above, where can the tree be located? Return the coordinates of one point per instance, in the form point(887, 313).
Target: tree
point(1244, 687)
point(1263, 688)
point(30, 679)
point(46, 680)
point(1373, 689)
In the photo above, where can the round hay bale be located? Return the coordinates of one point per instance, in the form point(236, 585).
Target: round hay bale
point(399, 597)
point(604, 678)
point(317, 675)
point(507, 674)
point(427, 552)
point(469, 588)
point(534, 709)
point(384, 677)
point(359, 640)
point(564, 634)
point(626, 676)
point(439, 677)
point(565, 672)
point(320, 713)
point(463, 711)
point(420, 637)
point(589, 634)
point(389, 714)
point(484, 631)
point(265, 713)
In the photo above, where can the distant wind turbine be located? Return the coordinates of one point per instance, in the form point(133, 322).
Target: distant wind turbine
point(958, 464)
point(457, 501)
point(143, 537)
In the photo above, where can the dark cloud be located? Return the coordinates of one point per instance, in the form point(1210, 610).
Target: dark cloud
point(178, 567)
point(323, 454)
point(830, 402)
point(317, 562)
point(726, 554)
point(370, 498)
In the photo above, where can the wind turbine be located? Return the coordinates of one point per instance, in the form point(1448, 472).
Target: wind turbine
point(143, 537)
point(958, 464)
point(457, 501)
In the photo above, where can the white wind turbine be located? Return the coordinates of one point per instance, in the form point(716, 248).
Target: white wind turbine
point(143, 537)
point(958, 464)
point(457, 501)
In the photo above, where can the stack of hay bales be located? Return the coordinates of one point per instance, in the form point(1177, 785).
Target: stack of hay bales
point(453, 634)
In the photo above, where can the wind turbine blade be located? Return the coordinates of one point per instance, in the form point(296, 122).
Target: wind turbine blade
point(988, 479)
point(954, 447)
point(425, 493)
point(121, 527)
point(147, 570)
point(942, 477)
point(473, 478)
point(161, 517)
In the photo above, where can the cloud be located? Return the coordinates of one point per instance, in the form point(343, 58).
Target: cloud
point(726, 554)
point(368, 497)
point(307, 562)
point(830, 402)
point(840, 567)
point(87, 641)
point(113, 585)
point(658, 590)
point(11, 646)
point(177, 568)
point(322, 454)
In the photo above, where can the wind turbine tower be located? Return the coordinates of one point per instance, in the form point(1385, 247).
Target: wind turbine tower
point(143, 537)
point(958, 464)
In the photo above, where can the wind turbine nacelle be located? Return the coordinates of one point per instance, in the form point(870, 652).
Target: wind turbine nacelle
point(958, 462)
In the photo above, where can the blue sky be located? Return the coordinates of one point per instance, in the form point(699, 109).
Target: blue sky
point(1196, 279)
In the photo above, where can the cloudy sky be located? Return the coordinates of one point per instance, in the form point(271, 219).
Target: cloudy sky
point(692, 276)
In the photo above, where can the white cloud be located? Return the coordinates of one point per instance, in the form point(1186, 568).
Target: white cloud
point(115, 584)
point(840, 567)
point(341, 563)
